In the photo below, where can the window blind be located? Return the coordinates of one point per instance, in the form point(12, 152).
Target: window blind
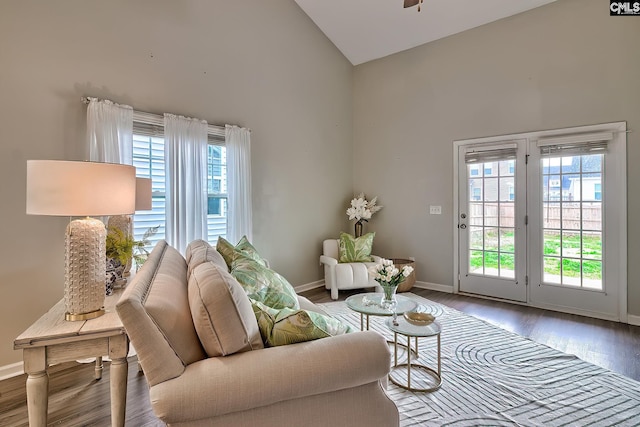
point(577, 144)
point(149, 124)
point(492, 153)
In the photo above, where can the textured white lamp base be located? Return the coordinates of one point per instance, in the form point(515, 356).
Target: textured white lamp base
point(84, 285)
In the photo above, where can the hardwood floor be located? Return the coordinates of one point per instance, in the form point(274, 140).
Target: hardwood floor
point(76, 399)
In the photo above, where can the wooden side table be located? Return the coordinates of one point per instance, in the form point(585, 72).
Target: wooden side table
point(51, 339)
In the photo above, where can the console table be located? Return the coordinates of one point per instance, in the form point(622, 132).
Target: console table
point(51, 339)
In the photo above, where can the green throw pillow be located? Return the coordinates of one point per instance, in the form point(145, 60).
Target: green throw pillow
point(352, 249)
point(290, 326)
point(228, 251)
point(263, 284)
point(247, 248)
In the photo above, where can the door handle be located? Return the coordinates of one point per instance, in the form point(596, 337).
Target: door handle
point(463, 226)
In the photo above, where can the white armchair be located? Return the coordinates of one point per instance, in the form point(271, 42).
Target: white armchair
point(346, 275)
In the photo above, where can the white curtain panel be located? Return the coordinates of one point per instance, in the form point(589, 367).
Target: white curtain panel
point(185, 148)
point(110, 132)
point(239, 218)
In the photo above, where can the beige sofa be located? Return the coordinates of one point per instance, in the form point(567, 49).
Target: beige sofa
point(335, 381)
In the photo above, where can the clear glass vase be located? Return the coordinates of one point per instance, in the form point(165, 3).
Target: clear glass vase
point(389, 296)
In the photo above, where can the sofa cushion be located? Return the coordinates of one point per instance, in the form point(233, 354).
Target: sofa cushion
point(263, 284)
point(200, 251)
point(352, 249)
point(154, 309)
point(290, 326)
point(221, 312)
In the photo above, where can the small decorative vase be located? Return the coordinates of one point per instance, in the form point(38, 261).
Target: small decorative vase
point(358, 230)
point(389, 296)
point(113, 278)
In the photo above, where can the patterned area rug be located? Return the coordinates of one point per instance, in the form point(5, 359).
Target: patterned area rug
point(492, 377)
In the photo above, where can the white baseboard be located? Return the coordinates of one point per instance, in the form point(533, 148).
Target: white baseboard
point(434, 287)
point(422, 285)
point(309, 286)
point(632, 319)
point(10, 371)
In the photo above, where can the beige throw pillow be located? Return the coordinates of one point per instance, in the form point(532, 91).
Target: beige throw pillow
point(200, 251)
point(221, 311)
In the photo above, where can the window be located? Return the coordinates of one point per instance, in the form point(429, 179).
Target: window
point(597, 191)
point(148, 159)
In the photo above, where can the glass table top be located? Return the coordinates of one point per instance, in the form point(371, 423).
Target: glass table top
point(369, 303)
point(402, 326)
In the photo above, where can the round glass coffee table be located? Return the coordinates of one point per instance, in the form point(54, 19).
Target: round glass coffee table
point(400, 374)
point(369, 304)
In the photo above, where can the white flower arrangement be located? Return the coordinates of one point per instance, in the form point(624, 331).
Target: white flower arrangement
point(361, 209)
point(388, 274)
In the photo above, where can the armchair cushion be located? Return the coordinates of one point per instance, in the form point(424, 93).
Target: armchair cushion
point(289, 326)
point(352, 249)
point(263, 284)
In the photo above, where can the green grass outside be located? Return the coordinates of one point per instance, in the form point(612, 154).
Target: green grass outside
point(553, 250)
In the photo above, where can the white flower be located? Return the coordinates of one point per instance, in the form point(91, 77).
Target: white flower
point(361, 209)
point(386, 273)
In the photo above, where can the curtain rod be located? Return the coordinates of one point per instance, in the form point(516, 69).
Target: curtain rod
point(158, 120)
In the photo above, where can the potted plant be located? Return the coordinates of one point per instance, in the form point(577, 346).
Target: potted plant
point(119, 251)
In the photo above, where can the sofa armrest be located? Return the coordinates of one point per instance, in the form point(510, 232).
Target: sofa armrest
point(324, 259)
point(222, 385)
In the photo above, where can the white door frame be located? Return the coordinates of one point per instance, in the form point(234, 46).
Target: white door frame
point(618, 127)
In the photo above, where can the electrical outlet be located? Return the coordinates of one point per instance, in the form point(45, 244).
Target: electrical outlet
point(435, 210)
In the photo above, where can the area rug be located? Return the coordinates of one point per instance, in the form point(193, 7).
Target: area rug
point(493, 377)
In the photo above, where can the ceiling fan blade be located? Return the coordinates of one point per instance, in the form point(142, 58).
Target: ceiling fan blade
point(410, 3)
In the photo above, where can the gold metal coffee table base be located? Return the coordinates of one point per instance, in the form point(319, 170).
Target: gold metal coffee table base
point(396, 371)
point(412, 366)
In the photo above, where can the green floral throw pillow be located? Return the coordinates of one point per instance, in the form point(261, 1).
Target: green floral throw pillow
point(290, 326)
point(263, 284)
point(228, 251)
point(352, 249)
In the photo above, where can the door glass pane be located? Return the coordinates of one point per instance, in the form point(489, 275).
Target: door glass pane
point(592, 245)
point(476, 262)
point(572, 188)
point(476, 238)
point(491, 208)
point(507, 265)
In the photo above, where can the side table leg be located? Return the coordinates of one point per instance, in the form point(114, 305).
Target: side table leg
point(409, 362)
point(99, 367)
point(118, 349)
point(395, 349)
point(35, 365)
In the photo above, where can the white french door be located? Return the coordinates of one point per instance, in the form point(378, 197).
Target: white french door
point(541, 219)
point(578, 222)
point(491, 219)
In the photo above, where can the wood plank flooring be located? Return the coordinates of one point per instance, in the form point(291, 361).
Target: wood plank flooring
point(76, 399)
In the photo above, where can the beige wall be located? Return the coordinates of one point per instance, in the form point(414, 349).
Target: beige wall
point(258, 64)
point(565, 64)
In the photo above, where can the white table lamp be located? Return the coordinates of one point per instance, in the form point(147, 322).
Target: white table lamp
point(68, 188)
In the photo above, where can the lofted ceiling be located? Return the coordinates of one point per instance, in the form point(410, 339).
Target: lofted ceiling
point(365, 30)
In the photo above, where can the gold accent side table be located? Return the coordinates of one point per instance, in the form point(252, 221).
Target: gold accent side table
point(402, 327)
point(51, 339)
